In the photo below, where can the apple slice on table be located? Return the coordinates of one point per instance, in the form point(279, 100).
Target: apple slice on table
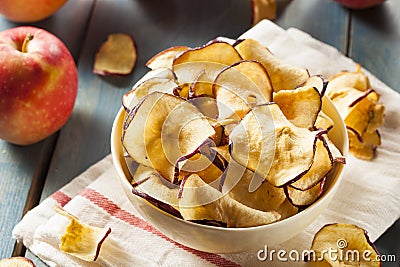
point(16, 262)
point(116, 56)
point(240, 86)
point(163, 129)
point(39, 83)
point(283, 75)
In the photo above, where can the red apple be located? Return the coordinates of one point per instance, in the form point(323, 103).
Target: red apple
point(38, 84)
point(29, 11)
point(359, 4)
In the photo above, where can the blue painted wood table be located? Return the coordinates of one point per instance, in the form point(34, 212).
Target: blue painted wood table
point(30, 174)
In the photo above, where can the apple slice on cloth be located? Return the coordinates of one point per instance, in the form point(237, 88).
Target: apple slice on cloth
point(116, 56)
point(81, 240)
point(163, 129)
point(39, 83)
point(16, 262)
point(350, 242)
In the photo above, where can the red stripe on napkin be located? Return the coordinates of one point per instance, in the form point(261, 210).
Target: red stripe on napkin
point(61, 198)
point(114, 210)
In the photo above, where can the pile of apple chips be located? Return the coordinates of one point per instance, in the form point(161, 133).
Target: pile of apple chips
point(228, 135)
point(358, 105)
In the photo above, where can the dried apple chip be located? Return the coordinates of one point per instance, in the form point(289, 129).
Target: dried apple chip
point(210, 58)
point(116, 56)
point(148, 181)
point(165, 58)
point(364, 146)
point(301, 106)
point(265, 198)
point(16, 262)
point(162, 129)
point(133, 97)
point(323, 122)
point(283, 76)
point(301, 198)
point(319, 82)
point(241, 86)
point(321, 166)
point(270, 145)
point(355, 79)
point(200, 201)
point(82, 240)
point(349, 243)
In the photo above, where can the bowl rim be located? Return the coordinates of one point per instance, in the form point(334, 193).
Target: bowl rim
point(118, 165)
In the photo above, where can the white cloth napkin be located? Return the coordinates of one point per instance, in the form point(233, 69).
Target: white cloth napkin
point(368, 195)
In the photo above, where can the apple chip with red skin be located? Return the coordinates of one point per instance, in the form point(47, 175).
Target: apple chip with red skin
point(116, 56)
point(321, 166)
point(165, 58)
point(350, 241)
point(131, 99)
point(210, 58)
point(241, 86)
point(266, 142)
point(283, 75)
point(16, 262)
point(355, 79)
point(200, 201)
point(300, 106)
point(362, 114)
point(162, 129)
point(304, 198)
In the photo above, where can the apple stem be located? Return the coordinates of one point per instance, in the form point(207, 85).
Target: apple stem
point(27, 39)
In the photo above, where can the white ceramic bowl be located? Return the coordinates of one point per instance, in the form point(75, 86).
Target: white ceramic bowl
point(231, 240)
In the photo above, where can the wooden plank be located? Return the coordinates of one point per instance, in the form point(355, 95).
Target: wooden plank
point(375, 44)
point(23, 169)
point(376, 41)
point(325, 20)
